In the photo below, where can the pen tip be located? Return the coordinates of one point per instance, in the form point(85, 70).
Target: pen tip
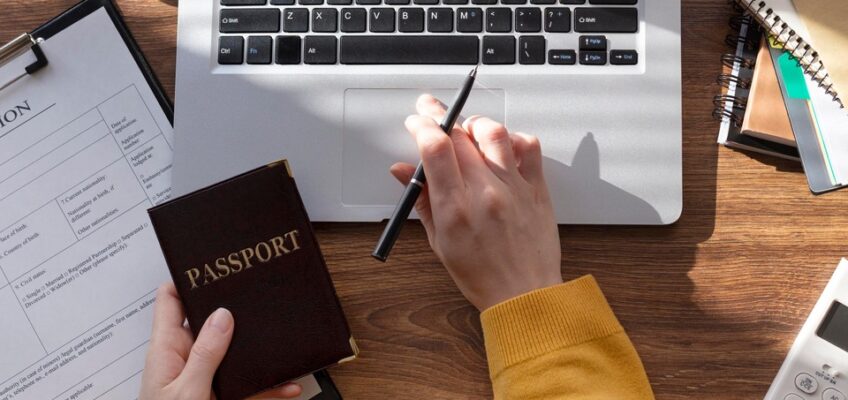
point(473, 72)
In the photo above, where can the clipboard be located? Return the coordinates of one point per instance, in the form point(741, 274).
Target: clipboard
point(31, 42)
point(27, 43)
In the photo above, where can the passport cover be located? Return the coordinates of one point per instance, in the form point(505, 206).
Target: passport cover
point(246, 244)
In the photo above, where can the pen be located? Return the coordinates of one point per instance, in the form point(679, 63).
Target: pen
point(416, 184)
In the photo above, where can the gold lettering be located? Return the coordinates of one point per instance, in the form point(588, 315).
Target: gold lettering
point(241, 260)
point(259, 247)
point(193, 274)
point(235, 262)
point(279, 246)
point(207, 273)
point(293, 237)
point(222, 267)
point(246, 257)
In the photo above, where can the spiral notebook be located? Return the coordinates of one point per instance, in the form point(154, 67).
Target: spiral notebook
point(731, 107)
point(818, 119)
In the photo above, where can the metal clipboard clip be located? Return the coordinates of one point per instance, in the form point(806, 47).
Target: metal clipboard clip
point(17, 47)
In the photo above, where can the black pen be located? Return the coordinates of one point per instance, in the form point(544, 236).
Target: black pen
point(416, 184)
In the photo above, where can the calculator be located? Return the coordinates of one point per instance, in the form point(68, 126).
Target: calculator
point(817, 364)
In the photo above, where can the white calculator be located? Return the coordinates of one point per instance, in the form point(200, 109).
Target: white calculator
point(817, 365)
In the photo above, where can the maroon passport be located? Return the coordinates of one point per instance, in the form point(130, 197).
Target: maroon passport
point(247, 244)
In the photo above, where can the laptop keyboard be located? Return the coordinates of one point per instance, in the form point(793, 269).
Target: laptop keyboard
point(358, 32)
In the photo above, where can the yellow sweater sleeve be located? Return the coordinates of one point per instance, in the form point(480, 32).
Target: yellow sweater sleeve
point(562, 342)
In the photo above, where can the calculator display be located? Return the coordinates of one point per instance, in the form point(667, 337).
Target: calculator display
point(834, 328)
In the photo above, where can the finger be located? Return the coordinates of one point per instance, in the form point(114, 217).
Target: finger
point(495, 144)
point(168, 314)
point(470, 162)
point(208, 351)
point(287, 391)
point(403, 173)
point(528, 150)
point(437, 153)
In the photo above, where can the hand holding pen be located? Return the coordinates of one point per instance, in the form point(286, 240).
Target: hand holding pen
point(418, 179)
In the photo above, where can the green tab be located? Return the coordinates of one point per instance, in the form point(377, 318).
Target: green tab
point(793, 77)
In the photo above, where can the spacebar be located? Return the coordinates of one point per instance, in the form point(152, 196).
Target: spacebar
point(430, 49)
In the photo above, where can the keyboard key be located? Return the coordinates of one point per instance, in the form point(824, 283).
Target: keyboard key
point(288, 49)
point(528, 19)
point(367, 2)
point(282, 2)
point(353, 20)
point(426, 2)
point(259, 49)
point(484, 1)
point(498, 20)
point(230, 50)
point(572, 1)
point(615, 2)
point(562, 57)
point(498, 50)
point(325, 19)
point(593, 42)
point(593, 57)
point(382, 19)
point(411, 20)
point(513, 1)
point(469, 20)
point(319, 50)
point(397, 2)
point(310, 2)
point(440, 20)
point(624, 57)
point(295, 19)
point(531, 49)
point(557, 19)
point(454, 2)
point(250, 20)
point(542, 1)
point(428, 49)
point(243, 2)
point(606, 19)
point(339, 2)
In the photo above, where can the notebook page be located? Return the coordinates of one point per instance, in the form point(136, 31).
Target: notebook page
point(828, 34)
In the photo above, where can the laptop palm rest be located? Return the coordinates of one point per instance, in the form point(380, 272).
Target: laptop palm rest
point(375, 138)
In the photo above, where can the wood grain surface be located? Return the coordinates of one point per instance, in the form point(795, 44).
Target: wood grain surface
point(712, 303)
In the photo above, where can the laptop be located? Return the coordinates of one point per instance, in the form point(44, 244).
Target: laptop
point(327, 85)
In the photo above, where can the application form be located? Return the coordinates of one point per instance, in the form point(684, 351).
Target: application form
point(85, 150)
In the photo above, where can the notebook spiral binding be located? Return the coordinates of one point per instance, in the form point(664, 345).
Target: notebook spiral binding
point(790, 42)
point(731, 107)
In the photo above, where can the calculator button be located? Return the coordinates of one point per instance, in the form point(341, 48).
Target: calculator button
point(793, 397)
point(806, 383)
point(832, 394)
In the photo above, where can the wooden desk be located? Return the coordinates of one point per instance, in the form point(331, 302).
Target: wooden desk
point(712, 303)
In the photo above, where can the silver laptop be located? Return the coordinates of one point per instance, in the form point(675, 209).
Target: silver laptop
point(327, 85)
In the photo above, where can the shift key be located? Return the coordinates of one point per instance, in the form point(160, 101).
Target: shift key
point(250, 20)
point(606, 20)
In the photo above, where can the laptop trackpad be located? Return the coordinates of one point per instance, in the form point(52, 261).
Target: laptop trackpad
point(375, 138)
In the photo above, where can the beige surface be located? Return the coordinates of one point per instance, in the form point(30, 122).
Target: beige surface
point(766, 116)
point(827, 21)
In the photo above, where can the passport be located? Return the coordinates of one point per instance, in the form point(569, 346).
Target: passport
point(246, 244)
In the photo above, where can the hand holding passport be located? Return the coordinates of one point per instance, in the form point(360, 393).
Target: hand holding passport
point(246, 244)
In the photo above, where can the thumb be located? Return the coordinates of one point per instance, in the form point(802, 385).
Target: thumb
point(208, 351)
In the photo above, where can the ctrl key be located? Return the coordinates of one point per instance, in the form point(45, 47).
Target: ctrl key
point(230, 50)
